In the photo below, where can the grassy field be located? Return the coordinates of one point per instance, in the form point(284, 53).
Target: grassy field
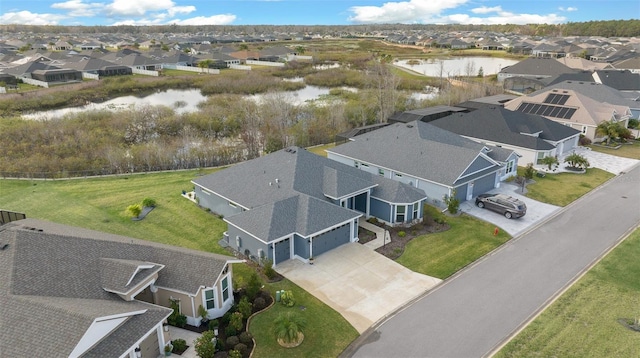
point(563, 188)
point(583, 322)
point(443, 254)
point(627, 150)
point(326, 334)
point(100, 204)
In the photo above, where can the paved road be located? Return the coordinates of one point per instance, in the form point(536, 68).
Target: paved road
point(476, 311)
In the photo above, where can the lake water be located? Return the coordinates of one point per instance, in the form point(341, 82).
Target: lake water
point(457, 66)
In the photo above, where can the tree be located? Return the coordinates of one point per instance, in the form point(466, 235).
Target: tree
point(288, 328)
point(529, 171)
point(609, 129)
point(205, 64)
point(205, 345)
point(453, 203)
point(549, 161)
point(480, 72)
point(576, 160)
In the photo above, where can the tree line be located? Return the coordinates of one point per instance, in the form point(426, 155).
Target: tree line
point(606, 28)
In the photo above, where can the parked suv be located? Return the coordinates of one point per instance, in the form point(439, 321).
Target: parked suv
point(506, 205)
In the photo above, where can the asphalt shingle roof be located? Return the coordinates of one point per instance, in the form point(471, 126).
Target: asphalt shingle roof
point(417, 148)
point(53, 286)
point(503, 126)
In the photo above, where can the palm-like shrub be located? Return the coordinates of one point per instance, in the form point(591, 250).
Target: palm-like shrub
point(576, 160)
point(288, 328)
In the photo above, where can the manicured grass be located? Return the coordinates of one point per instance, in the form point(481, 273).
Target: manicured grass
point(563, 188)
point(583, 322)
point(100, 204)
point(443, 254)
point(626, 150)
point(327, 333)
point(320, 149)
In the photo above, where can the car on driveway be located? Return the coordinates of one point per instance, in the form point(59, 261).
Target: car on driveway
point(506, 205)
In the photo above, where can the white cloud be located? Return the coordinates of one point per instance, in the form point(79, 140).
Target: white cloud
point(568, 9)
point(137, 7)
point(78, 8)
point(181, 10)
point(27, 17)
point(223, 19)
point(502, 18)
point(411, 11)
point(486, 10)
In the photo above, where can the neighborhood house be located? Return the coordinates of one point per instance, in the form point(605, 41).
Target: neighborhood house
point(296, 204)
point(72, 292)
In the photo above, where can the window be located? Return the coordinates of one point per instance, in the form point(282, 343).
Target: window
point(233, 205)
point(209, 299)
point(415, 210)
point(365, 165)
point(381, 172)
point(584, 129)
point(225, 288)
point(400, 210)
point(510, 167)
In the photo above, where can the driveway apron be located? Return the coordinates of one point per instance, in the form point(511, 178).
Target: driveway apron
point(360, 284)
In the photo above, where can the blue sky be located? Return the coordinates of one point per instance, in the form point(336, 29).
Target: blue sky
point(311, 12)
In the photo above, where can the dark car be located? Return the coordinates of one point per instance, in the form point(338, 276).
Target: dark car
point(506, 205)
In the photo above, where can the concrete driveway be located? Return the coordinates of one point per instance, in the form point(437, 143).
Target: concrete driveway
point(360, 284)
point(607, 162)
point(536, 211)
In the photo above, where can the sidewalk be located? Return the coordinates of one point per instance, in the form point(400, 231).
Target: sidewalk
point(382, 235)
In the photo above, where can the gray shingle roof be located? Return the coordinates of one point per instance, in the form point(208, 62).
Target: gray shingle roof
point(503, 126)
point(120, 276)
point(299, 200)
point(595, 91)
point(52, 288)
point(538, 67)
point(417, 148)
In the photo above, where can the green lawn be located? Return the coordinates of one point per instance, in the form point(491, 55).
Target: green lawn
point(327, 333)
point(100, 204)
point(626, 150)
point(563, 188)
point(443, 254)
point(583, 322)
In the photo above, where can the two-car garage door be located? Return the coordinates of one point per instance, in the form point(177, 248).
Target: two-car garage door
point(331, 239)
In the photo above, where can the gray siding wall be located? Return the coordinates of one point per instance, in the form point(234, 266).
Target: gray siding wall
point(300, 246)
point(477, 165)
point(247, 242)
point(434, 192)
point(215, 203)
point(380, 210)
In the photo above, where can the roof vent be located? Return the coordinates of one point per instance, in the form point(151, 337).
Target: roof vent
point(409, 126)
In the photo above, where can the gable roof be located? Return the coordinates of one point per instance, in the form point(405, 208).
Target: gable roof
point(65, 274)
point(503, 126)
point(623, 80)
point(293, 190)
point(418, 149)
point(543, 67)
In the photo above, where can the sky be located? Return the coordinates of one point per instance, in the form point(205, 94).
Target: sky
point(311, 12)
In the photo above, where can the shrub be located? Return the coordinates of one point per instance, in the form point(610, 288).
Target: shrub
point(373, 220)
point(633, 123)
point(584, 140)
point(529, 171)
point(148, 202)
point(288, 325)
point(202, 313)
point(134, 210)
point(232, 341)
point(176, 318)
point(242, 348)
point(235, 354)
point(179, 345)
point(402, 233)
point(224, 320)
point(244, 307)
point(213, 324)
point(259, 304)
point(236, 321)
point(230, 331)
point(268, 269)
point(453, 203)
point(204, 346)
point(253, 286)
point(549, 161)
point(287, 298)
point(577, 161)
point(246, 338)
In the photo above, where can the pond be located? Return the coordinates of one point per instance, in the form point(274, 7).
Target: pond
point(457, 66)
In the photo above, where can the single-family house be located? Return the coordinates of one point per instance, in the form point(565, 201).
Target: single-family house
point(534, 68)
point(579, 105)
point(72, 292)
point(296, 204)
point(426, 114)
point(532, 137)
point(426, 157)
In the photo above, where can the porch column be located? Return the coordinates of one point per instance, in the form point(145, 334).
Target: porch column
point(368, 203)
